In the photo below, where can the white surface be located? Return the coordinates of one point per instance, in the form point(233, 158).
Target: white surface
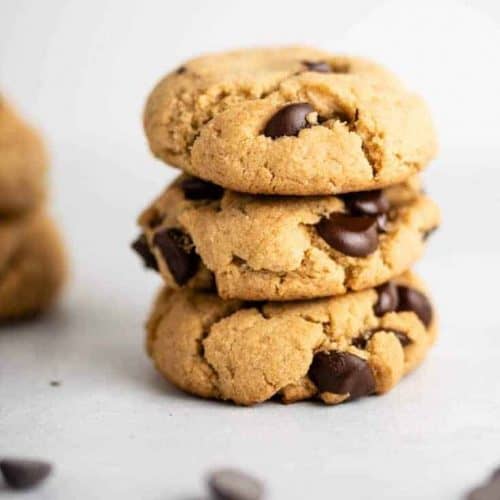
point(113, 428)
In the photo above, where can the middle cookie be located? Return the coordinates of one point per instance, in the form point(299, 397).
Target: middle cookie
point(283, 248)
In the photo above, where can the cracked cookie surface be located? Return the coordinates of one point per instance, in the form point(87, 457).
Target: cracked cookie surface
point(283, 248)
point(335, 349)
point(32, 278)
point(23, 164)
point(212, 118)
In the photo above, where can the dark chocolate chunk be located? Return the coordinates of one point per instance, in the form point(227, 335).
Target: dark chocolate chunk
point(22, 474)
point(342, 373)
point(178, 251)
point(231, 484)
point(317, 66)
point(289, 120)
point(410, 299)
point(387, 298)
point(353, 235)
point(141, 247)
point(198, 189)
point(367, 202)
point(382, 223)
point(361, 341)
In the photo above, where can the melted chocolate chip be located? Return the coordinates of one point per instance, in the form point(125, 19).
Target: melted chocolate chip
point(23, 474)
point(382, 223)
point(353, 235)
point(198, 189)
point(410, 299)
point(141, 247)
point(288, 121)
point(317, 66)
point(178, 251)
point(361, 341)
point(231, 484)
point(387, 299)
point(342, 373)
point(367, 202)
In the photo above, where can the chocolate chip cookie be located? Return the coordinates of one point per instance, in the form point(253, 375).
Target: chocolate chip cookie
point(23, 164)
point(283, 248)
point(31, 279)
point(336, 349)
point(291, 121)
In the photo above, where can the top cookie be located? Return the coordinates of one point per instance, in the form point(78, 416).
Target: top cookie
point(291, 121)
point(23, 164)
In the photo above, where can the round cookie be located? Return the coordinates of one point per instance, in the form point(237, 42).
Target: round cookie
point(23, 163)
point(336, 349)
point(289, 121)
point(32, 279)
point(283, 248)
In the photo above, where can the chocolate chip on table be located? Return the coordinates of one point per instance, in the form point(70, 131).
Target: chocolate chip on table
point(367, 202)
point(141, 247)
point(289, 120)
point(352, 235)
point(317, 66)
point(490, 490)
point(231, 484)
point(22, 474)
point(198, 189)
point(410, 299)
point(178, 251)
point(387, 300)
point(342, 373)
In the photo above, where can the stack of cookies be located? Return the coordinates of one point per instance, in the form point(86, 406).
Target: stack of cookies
point(285, 246)
point(32, 258)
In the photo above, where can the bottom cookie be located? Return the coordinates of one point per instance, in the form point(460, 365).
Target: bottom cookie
point(34, 275)
point(336, 349)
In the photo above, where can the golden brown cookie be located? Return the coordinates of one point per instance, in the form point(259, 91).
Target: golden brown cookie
point(284, 248)
point(33, 277)
point(23, 163)
point(336, 349)
point(289, 121)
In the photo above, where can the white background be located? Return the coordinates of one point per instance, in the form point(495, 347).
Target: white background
point(81, 70)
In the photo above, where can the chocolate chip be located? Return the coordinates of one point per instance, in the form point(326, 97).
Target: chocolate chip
point(382, 223)
point(231, 484)
point(353, 235)
point(289, 120)
point(342, 373)
point(317, 66)
point(140, 245)
point(410, 299)
point(487, 491)
point(178, 251)
point(181, 69)
point(155, 219)
point(428, 233)
point(361, 341)
point(367, 202)
point(387, 299)
point(198, 189)
point(22, 474)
